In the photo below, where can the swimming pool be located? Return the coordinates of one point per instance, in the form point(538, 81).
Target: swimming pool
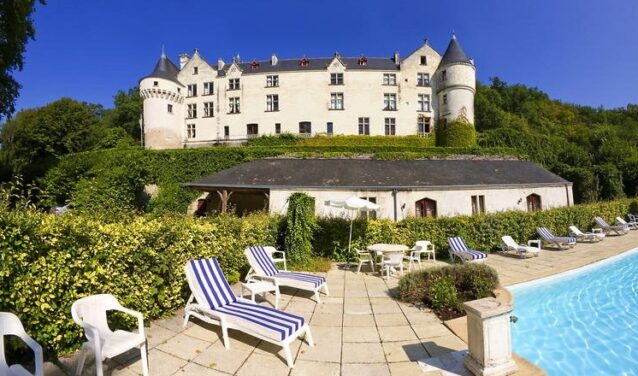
point(583, 322)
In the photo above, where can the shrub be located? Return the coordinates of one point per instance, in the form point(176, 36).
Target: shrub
point(457, 133)
point(171, 198)
point(444, 289)
point(633, 207)
point(300, 224)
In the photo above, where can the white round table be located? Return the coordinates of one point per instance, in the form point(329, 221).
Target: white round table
point(383, 248)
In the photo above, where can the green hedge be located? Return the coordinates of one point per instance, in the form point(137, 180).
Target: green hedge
point(288, 139)
point(47, 262)
point(456, 133)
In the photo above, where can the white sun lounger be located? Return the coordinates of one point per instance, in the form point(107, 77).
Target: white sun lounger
point(607, 228)
point(560, 241)
point(631, 225)
point(264, 268)
point(213, 301)
point(509, 245)
point(586, 236)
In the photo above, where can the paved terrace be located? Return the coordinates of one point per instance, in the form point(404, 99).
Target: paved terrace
point(359, 330)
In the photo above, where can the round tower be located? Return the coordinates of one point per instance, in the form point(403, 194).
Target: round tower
point(163, 103)
point(455, 84)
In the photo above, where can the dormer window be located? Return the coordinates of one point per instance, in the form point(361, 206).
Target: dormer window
point(363, 60)
point(304, 62)
point(195, 70)
point(254, 65)
point(424, 60)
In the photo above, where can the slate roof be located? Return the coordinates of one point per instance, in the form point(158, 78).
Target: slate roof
point(454, 54)
point(321, 63)
point(166, 69)
point(372, 174)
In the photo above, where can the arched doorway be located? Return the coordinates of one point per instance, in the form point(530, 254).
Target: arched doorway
point(425, 208)
point(534, 202)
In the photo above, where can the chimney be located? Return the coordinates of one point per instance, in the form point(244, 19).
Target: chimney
point(273, 60)
point(396, 57)
point(220, 64)
point(183, 60)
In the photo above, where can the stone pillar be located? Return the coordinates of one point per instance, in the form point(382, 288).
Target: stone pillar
point(489, 338)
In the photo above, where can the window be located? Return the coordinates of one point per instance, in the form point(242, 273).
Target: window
point(252, 130)
point(233, 105)
point(192, 90)
point(425, 208)
point(272, 81)
point(192, 111)
point(336, 78)
point(208, 109)
point(389, 102)
point(424, 60)
point(423, 125)
point(278, 128)
point(336, 101)
point(226, 132)
point(423, 79)
point(444, 75)
point(155, 83)
point(390, 126)
point(272, 102)
point(534, 202)
point(444, 98)
point(478, 205)
point(170, 108)
point(195, 70)
point(389, 79)
point(233, 84)
point(209, 88)
point(364, 126)
point(305, 127)
point(424, 102)
point(329, 129)
point(369, 214)
point(191, 131)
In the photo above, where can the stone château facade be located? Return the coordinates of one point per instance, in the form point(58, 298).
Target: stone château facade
point(201, 103)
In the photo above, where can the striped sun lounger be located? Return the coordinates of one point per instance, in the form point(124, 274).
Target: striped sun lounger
point(213, 301)
point(607, 228)
point(560, 242)
point(459, 249)
point(264, 268)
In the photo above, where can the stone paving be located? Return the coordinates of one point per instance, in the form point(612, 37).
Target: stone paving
point(359, 329)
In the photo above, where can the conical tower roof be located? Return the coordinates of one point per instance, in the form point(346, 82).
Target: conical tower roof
point(454, 54)
point(166, 69)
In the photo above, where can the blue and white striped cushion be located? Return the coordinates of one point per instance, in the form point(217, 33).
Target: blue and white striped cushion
point(264, 261)
point(212, 282)
point(280, 324)
point(303, 277)
point(474, 254)
point(601, 222)
point(459, 247)
point(544, 232)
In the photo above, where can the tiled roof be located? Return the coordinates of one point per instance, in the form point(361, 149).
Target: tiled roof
point(314, 64)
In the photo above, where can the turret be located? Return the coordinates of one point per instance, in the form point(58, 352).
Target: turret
point(163, 102)
point(455, 84)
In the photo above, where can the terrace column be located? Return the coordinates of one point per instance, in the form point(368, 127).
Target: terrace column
point(224, 196)
point(489, 338)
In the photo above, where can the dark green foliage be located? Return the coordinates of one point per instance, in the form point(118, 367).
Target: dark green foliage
point(171, 198)
point(289, 139)
point(300, 225)
point(283, 139)
point(610, 184)
point(444, 289)
point(633, 207)
point(16, 29)
point(458, 133)
point(126, 112)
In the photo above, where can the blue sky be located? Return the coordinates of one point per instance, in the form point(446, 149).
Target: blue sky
point(578, 51)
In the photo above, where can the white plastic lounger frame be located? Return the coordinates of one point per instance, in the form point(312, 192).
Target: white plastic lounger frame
point(213, 301)
point(90, 314)
point(607, 228)
point(560, 242)
point(264, 268)
point(459, 249)
point(510, 245)
point(631, 225)
point(275, 255)
point(591, 237)
point(421, 247)
point(10, 325)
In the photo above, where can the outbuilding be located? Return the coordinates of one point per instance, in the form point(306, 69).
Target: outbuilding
point(405, 188)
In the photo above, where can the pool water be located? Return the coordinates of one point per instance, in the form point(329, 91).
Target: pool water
point(583, 322)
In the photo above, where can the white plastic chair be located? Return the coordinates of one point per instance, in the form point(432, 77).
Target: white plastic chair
point(364, 258)
point(90, 314)
point(421, 247)
point(391, 261)
point(10, 325)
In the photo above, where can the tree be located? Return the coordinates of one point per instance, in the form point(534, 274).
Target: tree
point(16, 29)
point(127, 112)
